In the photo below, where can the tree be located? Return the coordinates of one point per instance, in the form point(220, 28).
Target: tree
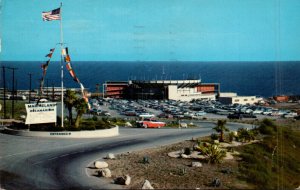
point(81, 107)
point(220, 128)
point(69, 101)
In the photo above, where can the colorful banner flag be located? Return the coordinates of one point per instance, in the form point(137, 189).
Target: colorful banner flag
point(51, 15)
point(63, 52)
point(67, 59)
point(44, 68)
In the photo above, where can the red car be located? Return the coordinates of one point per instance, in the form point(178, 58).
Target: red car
point(150, 123)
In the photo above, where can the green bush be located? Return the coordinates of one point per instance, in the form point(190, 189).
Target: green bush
point(95, 118)
point(267, 127)
point(45, 127)
point(187, 151)
point(214, 136)
point(213, 153)
point(87, 127)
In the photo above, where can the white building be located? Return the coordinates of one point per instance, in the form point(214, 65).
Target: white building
point(233, 98)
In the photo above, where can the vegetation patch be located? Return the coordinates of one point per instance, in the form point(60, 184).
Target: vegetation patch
point(275, 161)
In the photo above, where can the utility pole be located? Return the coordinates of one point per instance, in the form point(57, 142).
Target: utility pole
point(29, 97)
point(13, 92)
point(52, 92)
point(97, 90)
point(16, 90)
point(4, 94)
point(47, 87)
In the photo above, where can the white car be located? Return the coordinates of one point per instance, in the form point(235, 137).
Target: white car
point(200, 113)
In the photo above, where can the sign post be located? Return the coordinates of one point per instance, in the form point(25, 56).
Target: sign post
point(41, 113)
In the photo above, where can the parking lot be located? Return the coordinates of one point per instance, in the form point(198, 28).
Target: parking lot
point(170, 109)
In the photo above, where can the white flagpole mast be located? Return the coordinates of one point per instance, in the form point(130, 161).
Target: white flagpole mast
point(62, 68)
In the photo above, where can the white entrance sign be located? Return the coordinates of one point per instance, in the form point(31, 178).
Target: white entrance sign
point(41, 113)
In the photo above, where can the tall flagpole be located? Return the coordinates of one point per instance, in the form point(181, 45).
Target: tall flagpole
point(62, 68)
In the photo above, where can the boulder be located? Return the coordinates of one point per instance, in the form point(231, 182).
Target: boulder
point(147, 185)
point(100, 164)
point(228, 156)
point(216, 182)
point(196, 164)
point(128, 124)
point(184, 156)
point(124, 180)
point(175, 154)
point(120, 180)
point(104, 172)
point(183, 125)
point(110, 156)
point(216, 141)
point(127, 180)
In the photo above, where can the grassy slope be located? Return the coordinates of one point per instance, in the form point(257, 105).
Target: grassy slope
point(19, 108)
point(275, 162)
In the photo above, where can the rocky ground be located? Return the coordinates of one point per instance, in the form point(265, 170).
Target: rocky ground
point(164, 172)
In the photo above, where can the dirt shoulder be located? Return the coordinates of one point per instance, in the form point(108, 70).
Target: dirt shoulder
point(165, 172)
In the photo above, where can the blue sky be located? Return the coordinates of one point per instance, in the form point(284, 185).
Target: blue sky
point(156, 30)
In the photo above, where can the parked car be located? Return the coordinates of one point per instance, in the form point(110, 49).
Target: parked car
point(95, 111)
point(130, 113)
point(248, 115)
point(234, 116)
point(150, 123)
point(200, 113)
point(165, 115)
point(105, 113)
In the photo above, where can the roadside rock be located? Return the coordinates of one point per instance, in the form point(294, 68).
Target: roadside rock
point(124, 180)
point(100, 164)
point(127, 180)
point(175, 154)
point(196, 164)
point(127, 124)
point(147, 185)
point(120, 180)
point(184, 156)
point(110, 156)
point(183, 125)
point(228, 156)
point(104, 172)
point(216, 182)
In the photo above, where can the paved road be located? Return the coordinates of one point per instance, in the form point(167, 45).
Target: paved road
point(45, 163)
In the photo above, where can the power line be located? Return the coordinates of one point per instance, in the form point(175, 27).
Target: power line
point(29, 97)
point(13, 92)
point(4, 92)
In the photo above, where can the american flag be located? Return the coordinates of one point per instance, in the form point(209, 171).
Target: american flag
point(51, 15)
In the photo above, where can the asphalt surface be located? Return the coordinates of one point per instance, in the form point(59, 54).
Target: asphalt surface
point(45, 163)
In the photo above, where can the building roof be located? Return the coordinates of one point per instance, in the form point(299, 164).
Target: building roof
point(162, 83)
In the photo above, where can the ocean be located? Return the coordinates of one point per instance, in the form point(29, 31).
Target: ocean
point(245, 78)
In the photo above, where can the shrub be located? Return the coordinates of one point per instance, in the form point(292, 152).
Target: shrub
point(87, 127)
point(267, 127)
point(213, 153)
point(95, 118)
point(187, 151)
point(231, 136)
point(214, 136)
point(245, 135)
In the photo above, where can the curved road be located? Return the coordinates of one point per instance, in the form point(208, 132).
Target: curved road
point(45, 163)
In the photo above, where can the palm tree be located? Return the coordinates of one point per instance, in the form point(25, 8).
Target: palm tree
point(69, 101)
point(220, 128)
point(81, 107)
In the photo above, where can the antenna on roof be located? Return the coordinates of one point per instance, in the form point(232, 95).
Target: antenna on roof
point(163, 73)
